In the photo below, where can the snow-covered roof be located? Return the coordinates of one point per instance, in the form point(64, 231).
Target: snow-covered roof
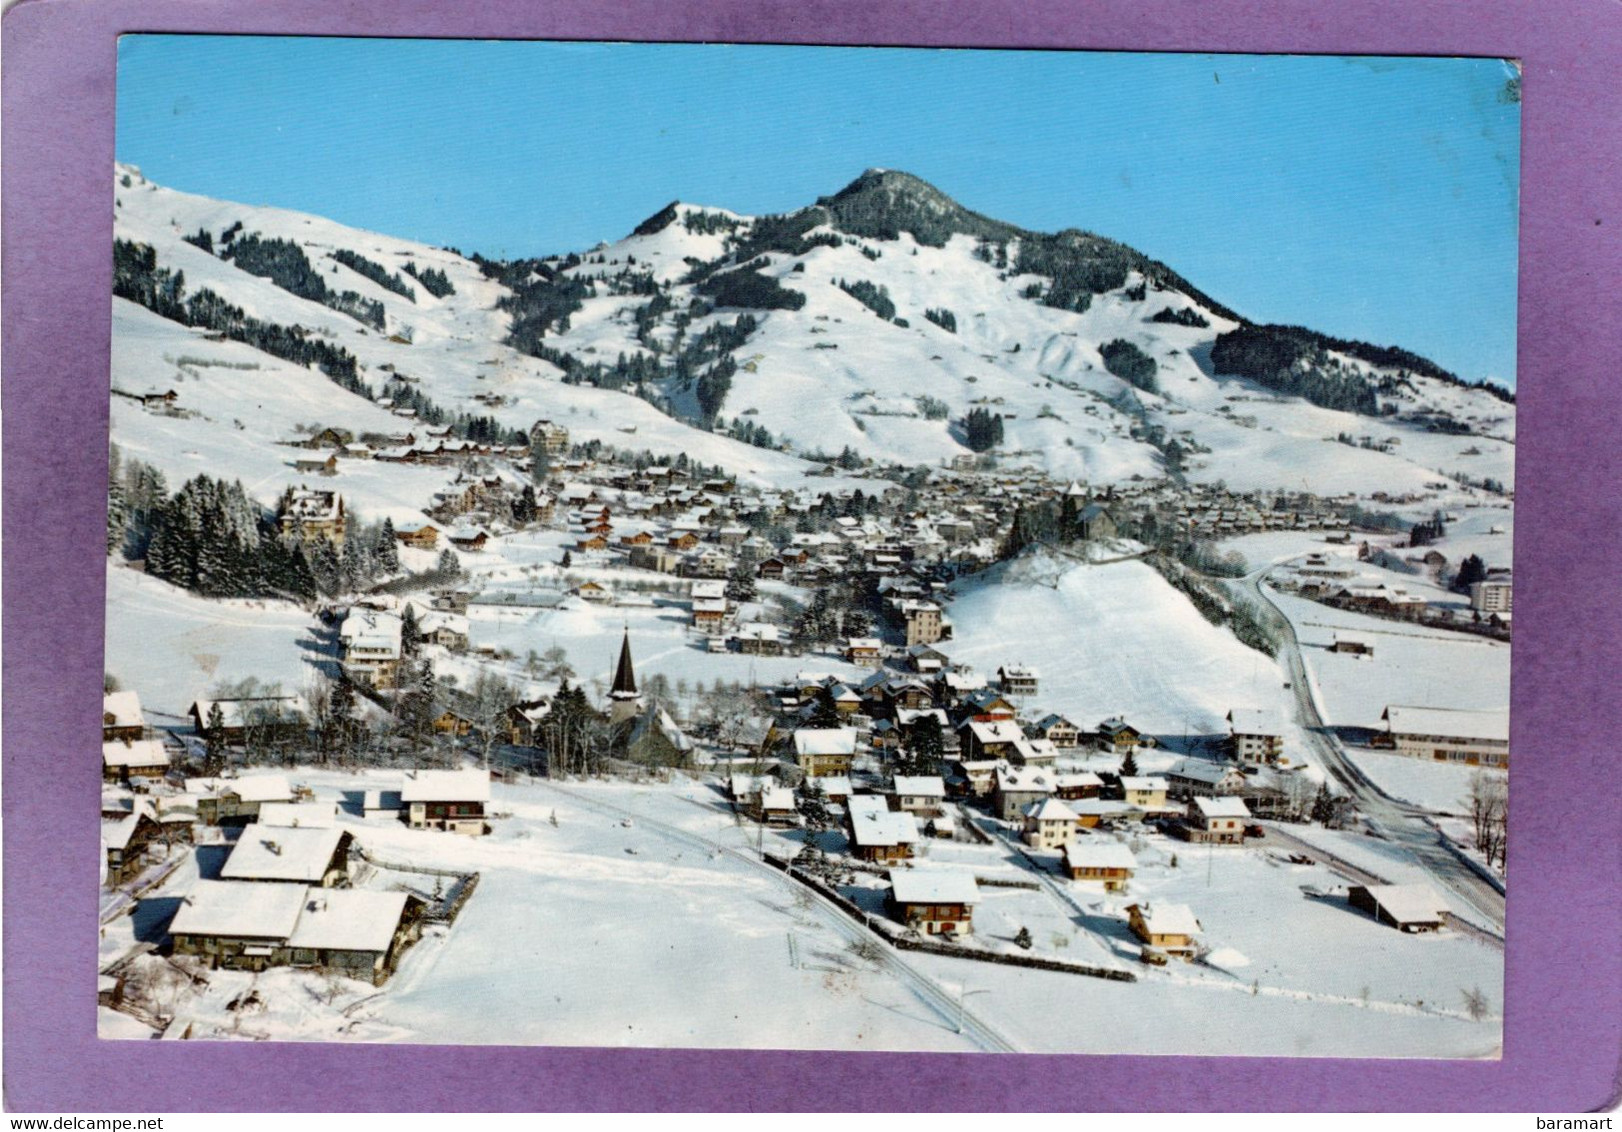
point(282, 853)
point(446, 786)
point(776, 798)
point(351, 919)
point(825, 741)
point(1078, 779)
point(1228, 807)
point(224, 908)
point(1408, 903)
point(1143, 783)
point(1451, 722)
point(920, 785)
point(866, 804)
point(1253, 721)
point(139, 753)
point(995, 730)
point(934, 886)
point(1169, 919)
point(1200, 770)
point(122, 709)
point(1098, 853)
point(1050, 809)
point(1024, 780)
point(884, 829)
point(834, 784)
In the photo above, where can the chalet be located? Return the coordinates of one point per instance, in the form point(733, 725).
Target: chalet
point(1078, 784)
point(774, 805)
point(934, 901)
point(772, 570)
point(298, 815)
point(835, 787)
point(1144, 793)
point(864, 652)
point(1214, 821)
point(121, 717)
point(990, 738)
point(370, 646)
point(1059, 731)
point(316, 465)
point(1255, 737)
point(1167, 928)
point(1097, 859)
point(640, 538)
point(1015, 788)
point(882, 836)
point(1034, 752)
point(524, 721)
point(1475, 738)
point(352, 932)
point(1018, 679)
point(974, 777)
point(126, 841)
point(418, 536)
point(593, 592)
point(919, 794)
point(660, 559)
point(910, 696)
point(448, 722)
point(591, 542)
point(452, 800)
point(1049, 824)
point(822, 751)
point(331, 438)
point(1406, 907)
point(759, 638)
point(1119, 737)
point(469, 539)
point(1201, 777)
point(686, 540)
point(847, 701)
point(982, 702)
point(709, 614)
point(129, 761)
point(312, 855)
point(234, 801)
point(926, 659)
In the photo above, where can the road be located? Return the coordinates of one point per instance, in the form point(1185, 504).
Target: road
point(949, 1007)
point(1395, 821)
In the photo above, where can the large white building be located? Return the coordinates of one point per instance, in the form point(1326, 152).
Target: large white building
point(1493, 597)
point(1476, 738)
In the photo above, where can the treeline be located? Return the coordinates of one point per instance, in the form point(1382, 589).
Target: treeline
point(1252, 627)
point(942, 318)
point(540, 305)
point(137, 277)
point(748, 288)
point(376, 272)
point(1187, 316)
point(433, 280)
point(466, 426)
point(284, 264)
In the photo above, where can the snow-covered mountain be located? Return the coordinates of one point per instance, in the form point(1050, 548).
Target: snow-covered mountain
point(875, 320)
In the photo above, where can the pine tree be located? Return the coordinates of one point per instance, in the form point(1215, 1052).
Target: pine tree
point(1129, 765)
point(1323, 806)
point(214, 742)
point(388, 549)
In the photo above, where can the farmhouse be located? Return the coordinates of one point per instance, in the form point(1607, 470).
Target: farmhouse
point(355, 933)
point(1215, 821)
point(1144, 793)
point(919, 794)
point(934, 901)
point(1192, 777)
point(1049, 824)
point(451, 800)
point(1017, 787)
point(126, 761)
point(1018, 679)
point(418, 536)
point(121, 717)
point(1059, 731)
point(1119, 736)
point(882, 836)
point(313, 855)
point(234, 801)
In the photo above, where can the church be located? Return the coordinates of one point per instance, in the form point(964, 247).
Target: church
point(643, 731)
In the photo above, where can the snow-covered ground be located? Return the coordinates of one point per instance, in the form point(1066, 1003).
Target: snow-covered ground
point(638, 919)
point(1412, 664)
point(1439, 787)
point(1114, 639)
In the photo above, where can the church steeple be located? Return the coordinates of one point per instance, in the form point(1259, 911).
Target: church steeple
point(625, 676)
point(625, 702)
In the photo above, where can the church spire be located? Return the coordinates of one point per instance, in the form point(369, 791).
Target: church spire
point(624, 677)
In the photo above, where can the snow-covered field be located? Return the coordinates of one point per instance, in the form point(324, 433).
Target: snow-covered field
point(1412, 664)
point(173, 647)
point(1439, 787)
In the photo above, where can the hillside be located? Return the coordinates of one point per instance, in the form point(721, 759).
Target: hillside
point(874, 320)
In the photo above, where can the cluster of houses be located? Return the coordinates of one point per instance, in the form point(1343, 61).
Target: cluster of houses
point(370, 637)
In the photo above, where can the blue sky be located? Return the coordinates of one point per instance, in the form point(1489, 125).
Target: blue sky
point(1370, 198)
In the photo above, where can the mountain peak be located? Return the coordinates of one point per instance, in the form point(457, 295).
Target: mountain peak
point(883, 203)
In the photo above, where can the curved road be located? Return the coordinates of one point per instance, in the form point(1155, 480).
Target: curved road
point(1395, 821)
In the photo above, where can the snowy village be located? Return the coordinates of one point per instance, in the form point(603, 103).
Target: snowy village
point(875, 627)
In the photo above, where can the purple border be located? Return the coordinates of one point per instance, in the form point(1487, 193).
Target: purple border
point(1564, 1009)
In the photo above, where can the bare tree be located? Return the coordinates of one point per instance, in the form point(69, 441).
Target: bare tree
point(1475, 1003)
point(1488, 803)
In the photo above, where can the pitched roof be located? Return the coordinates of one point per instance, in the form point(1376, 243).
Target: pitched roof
point(884, 829)
point(1408, 903)
point(282, 853)
point(1050, 809)
point(1452, 722)
point(1229, 807)
point(825, 741)
point(125, 709)
point(1169, 919)
point(929, 785)
point(351, 919)
point(446, 786)
point(624, 676)
point(1253, 721)
point(1098, 853)
point(934, 886)
point(256, 911)
point(139, 753)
